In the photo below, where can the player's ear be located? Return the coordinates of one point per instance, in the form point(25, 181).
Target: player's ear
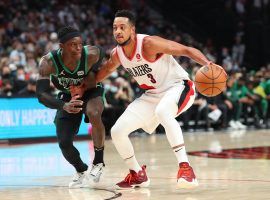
point(61, 45)
point(133, 29)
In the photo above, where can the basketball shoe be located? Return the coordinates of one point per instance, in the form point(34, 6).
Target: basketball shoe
point(186, 177)
point(134, 179)
point(96, 172)
point(77, 180)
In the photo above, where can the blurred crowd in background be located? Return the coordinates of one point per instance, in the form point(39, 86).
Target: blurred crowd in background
point(28, 30)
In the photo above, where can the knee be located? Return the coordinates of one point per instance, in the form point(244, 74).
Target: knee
point(116, 132)
point(94, 115)
point(160, 113)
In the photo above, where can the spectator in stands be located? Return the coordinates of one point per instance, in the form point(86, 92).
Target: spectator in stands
point(110, 91)
point(53, 43)
point(221, 103)
point(238, 51)
point(233, 95)
point(29, 90)
point(17, 55)
point(227, 61)
point(7, 88)
point(124, 94)
point(198, 111)
point(251, 102)
point(267, 91)
point(260, 91)
point(20, 79)
point(257, 95)
point(7, 82)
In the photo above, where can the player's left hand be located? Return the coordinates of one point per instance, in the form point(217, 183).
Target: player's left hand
point(77, 91)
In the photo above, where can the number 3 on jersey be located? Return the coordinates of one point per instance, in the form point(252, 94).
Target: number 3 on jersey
point(151, 77)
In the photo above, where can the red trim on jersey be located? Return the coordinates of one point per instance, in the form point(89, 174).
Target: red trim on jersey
point(187, 97)
point(158, 55)
point(133, 52)
point(146, 87)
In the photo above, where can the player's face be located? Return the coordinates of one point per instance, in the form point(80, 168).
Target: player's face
point(122, 30)
point(73, 47)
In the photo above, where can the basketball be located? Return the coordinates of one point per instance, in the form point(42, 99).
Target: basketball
point(210, 80)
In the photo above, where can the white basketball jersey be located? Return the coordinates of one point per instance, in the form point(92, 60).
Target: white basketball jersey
point(156, 76)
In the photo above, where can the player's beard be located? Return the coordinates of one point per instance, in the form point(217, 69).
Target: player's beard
point(126, 42)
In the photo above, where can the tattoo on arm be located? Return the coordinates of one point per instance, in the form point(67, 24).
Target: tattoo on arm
point(45, 67)
point(95, 57)
point(43, 85)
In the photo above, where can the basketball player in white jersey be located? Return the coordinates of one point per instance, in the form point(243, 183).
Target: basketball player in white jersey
point(169, 92)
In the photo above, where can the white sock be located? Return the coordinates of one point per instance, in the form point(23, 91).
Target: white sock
point(133, 164)
point(180, 153)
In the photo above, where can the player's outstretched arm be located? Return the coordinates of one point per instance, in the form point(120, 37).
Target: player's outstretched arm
point(108, 67)
point(153, 45)
point(43, 89)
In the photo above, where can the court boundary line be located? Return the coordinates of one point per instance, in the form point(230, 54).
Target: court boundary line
point(115, 193)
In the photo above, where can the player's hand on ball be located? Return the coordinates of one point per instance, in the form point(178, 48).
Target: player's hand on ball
point(218, 66)
point(74, 106)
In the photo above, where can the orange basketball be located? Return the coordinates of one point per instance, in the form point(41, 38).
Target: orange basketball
point(210, 80)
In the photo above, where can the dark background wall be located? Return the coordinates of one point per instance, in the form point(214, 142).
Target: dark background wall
point(218, 20)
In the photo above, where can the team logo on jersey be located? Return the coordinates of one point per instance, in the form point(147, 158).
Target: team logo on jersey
point(139, 70)
point(138, 56)
point(80, 73)
point(66, 82)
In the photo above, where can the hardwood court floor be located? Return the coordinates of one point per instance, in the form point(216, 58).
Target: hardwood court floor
point(39, 172)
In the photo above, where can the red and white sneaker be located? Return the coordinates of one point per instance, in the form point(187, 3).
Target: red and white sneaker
point(186, 177)
point(134, 179)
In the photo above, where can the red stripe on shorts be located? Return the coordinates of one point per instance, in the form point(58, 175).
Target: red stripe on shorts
point(185, 96)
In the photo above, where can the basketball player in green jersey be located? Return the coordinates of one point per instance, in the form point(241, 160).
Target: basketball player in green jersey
point(70, 67)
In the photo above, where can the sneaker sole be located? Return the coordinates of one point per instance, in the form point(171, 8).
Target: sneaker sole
point(142, 185)
point(183, 184)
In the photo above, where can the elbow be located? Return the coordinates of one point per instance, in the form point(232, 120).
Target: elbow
point(188, 51)
point(40, 97)
point(176, 50)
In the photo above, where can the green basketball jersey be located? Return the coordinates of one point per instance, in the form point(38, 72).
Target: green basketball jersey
point(63, 78)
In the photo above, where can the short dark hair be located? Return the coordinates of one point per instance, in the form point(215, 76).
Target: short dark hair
point(67, 32)
point(128, 14)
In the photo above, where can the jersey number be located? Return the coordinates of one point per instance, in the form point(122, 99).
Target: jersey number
point(152, 79)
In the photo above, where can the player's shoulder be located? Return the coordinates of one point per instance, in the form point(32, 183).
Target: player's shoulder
point(114, 54)
point(93, 53)
point(93, 50)
point(149, 40)
point(46, 65)
point(46, 59)
point(47, 56)
point(114, 50)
